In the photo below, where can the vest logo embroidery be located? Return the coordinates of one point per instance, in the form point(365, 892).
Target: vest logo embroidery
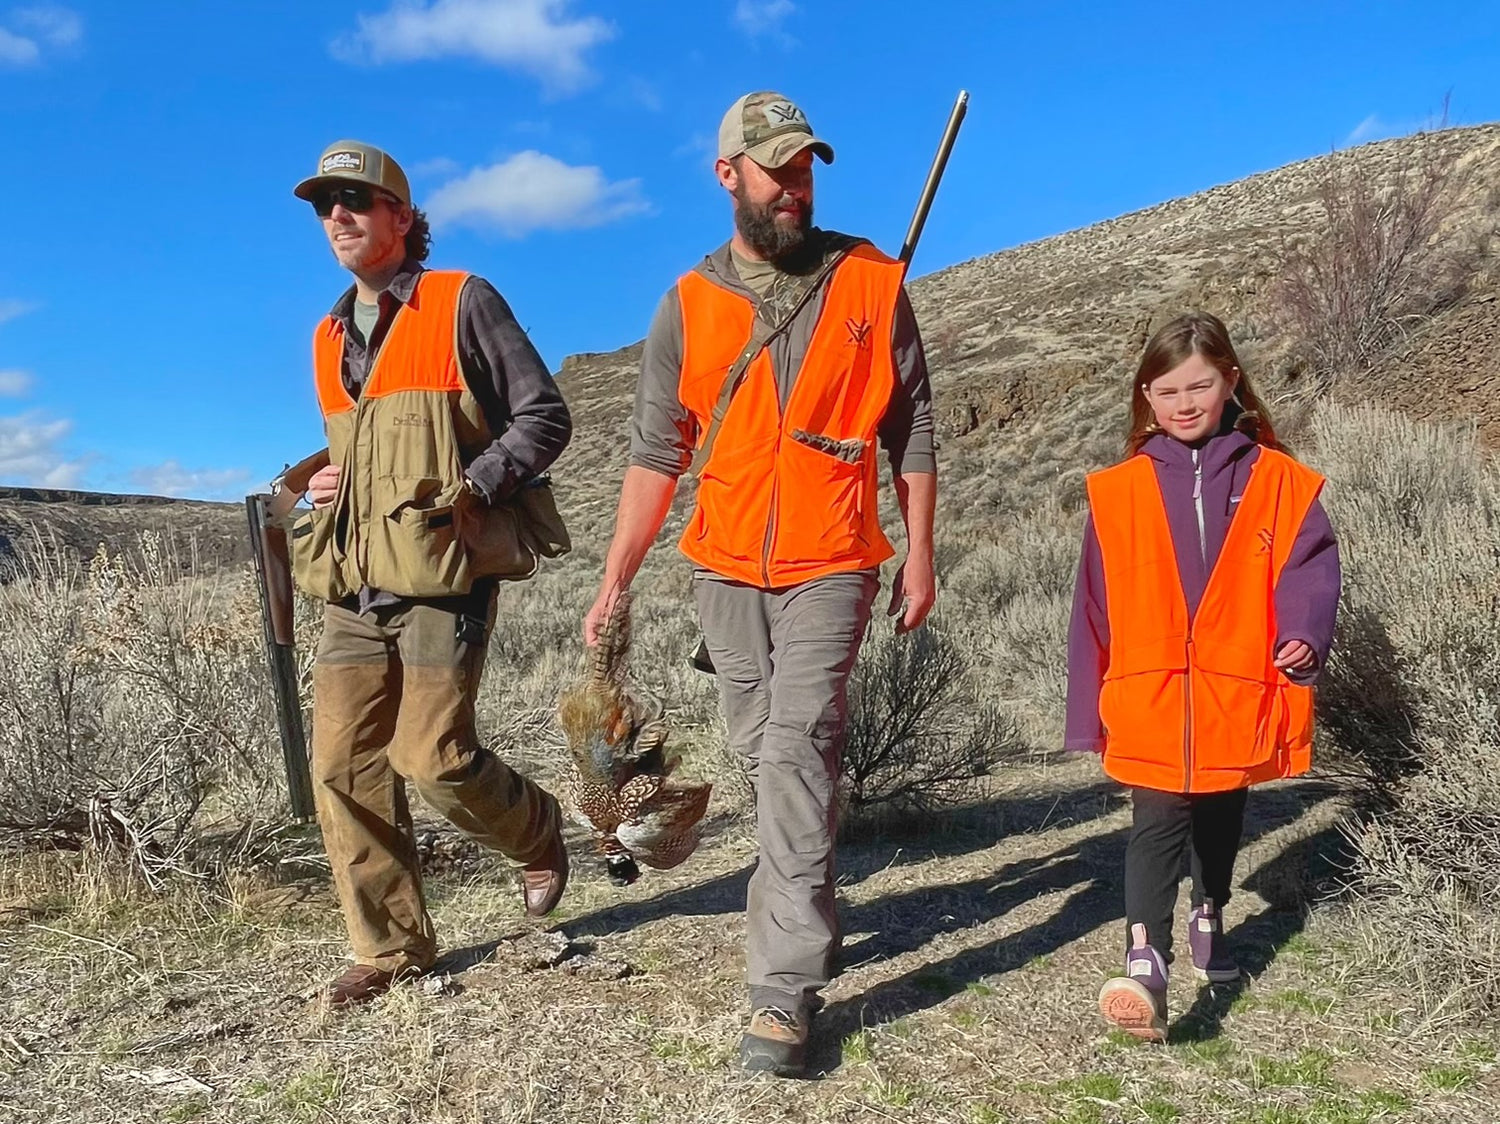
point(1264, 534)
point(412, 419)
point(859, 331)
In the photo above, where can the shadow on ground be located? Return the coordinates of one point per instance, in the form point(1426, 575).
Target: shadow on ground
point(1091, 869)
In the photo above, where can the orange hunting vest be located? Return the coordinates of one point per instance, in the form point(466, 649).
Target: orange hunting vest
point(1197, 706)
point(788, 495)
point(402, 521)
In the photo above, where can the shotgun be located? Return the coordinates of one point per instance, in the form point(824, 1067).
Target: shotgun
point(273, 578)
point(700, 659)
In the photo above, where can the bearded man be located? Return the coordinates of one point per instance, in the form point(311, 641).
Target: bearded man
point(773, 368)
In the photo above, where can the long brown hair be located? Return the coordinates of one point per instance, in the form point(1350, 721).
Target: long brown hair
point(1197, 333)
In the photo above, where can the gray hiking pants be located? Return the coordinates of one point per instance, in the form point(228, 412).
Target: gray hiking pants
point(783, 658)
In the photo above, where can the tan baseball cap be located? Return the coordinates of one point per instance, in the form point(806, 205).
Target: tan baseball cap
point(352, 161)
point(769, 129)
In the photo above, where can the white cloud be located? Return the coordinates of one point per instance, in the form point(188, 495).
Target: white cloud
point(437, 166)
point(1374, 128)
point(171, 479)
point(534, 191)
point(11, 309)
point(29, 452)
point(32, 32)
point(536, 37)
point(14, 383)
point(765, 19)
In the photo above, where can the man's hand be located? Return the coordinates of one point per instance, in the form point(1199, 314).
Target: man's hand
point(913, 593)
point(323, 485)
point(1295, 655)
point(598, 615)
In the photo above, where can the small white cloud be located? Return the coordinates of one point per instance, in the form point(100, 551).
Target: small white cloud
point(29, 33)
point(13, 383)
point(1375, 127)
point(536, 37)
point(11, 309)
point(698, 147)
point(534, 191)
point(437, 166)
point(765, 19)
point(29, 452)
point(171, 479)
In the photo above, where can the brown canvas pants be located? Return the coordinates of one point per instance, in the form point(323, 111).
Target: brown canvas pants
point(393, 701)
point(783, 658)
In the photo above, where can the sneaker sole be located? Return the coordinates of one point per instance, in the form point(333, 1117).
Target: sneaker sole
point(1131, 1007)
point(1219, 975)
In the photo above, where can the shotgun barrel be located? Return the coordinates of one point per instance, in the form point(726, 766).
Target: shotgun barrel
point(934, 176)
point(273, 578)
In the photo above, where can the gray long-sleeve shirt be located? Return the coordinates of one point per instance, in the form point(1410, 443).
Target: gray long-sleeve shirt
point(664, 432)
point(521, 403)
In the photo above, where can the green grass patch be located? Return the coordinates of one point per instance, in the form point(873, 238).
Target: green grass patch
point(1448, 1078)
point(1480, 1050)
point(1159, 1110)
point(859, 1046)
point(974, 987)
point(698, 1056)
point(1308, 1070)
point(1294, 999)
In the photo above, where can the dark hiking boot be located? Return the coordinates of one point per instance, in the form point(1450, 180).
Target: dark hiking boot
point(1211, 959)
point(775, 1043)
point(1137, 1002)
point(362, 983)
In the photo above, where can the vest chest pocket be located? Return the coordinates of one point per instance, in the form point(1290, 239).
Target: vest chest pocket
point(314, 566)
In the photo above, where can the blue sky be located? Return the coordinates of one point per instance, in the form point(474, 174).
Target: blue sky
point(162, 282)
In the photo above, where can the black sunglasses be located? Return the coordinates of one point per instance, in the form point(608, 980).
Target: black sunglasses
point(356, 197)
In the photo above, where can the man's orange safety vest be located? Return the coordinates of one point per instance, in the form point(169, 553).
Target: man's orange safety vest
point(789, 493)
point(402, 521)
point(1198, 705)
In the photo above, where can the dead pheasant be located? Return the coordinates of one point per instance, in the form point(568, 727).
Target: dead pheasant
point(624, 789)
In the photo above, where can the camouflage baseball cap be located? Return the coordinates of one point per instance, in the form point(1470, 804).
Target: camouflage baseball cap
point(769, 129)
point(354, 161)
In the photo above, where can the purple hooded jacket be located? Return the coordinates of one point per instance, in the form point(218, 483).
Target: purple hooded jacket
point(1307, 592)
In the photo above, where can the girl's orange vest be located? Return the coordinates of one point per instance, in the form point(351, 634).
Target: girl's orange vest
point(788, 495)
point(1198, 706)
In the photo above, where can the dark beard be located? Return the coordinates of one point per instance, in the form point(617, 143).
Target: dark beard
point(770, 239)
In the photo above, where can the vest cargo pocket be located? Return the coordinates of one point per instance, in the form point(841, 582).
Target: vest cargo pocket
point(310, 544)
point(541, 524)
point(822, 501)
point(416, 552)
point(492, 541)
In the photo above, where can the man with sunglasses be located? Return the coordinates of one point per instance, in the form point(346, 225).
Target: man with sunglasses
point(438, 410)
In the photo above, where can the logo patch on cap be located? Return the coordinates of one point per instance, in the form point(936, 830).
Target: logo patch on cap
point(344, 161)
point(779, 113)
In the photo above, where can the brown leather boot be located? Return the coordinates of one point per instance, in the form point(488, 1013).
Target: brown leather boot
point(362, 983)
point(543, 881)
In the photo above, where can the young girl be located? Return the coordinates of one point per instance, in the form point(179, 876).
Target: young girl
point(1203, 612)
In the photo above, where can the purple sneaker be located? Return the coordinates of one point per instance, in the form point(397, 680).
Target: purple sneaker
point(1137, 1001)
point(1211, 959)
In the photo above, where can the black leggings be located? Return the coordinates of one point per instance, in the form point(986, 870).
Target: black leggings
point(1167, 824)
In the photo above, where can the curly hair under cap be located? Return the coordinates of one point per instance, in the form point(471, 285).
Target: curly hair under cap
point(418, 237)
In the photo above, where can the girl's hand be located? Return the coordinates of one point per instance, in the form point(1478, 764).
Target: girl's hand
point(1295, 656)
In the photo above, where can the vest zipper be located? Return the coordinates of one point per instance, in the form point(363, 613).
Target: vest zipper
point(765, 553)
point(1198, 506)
